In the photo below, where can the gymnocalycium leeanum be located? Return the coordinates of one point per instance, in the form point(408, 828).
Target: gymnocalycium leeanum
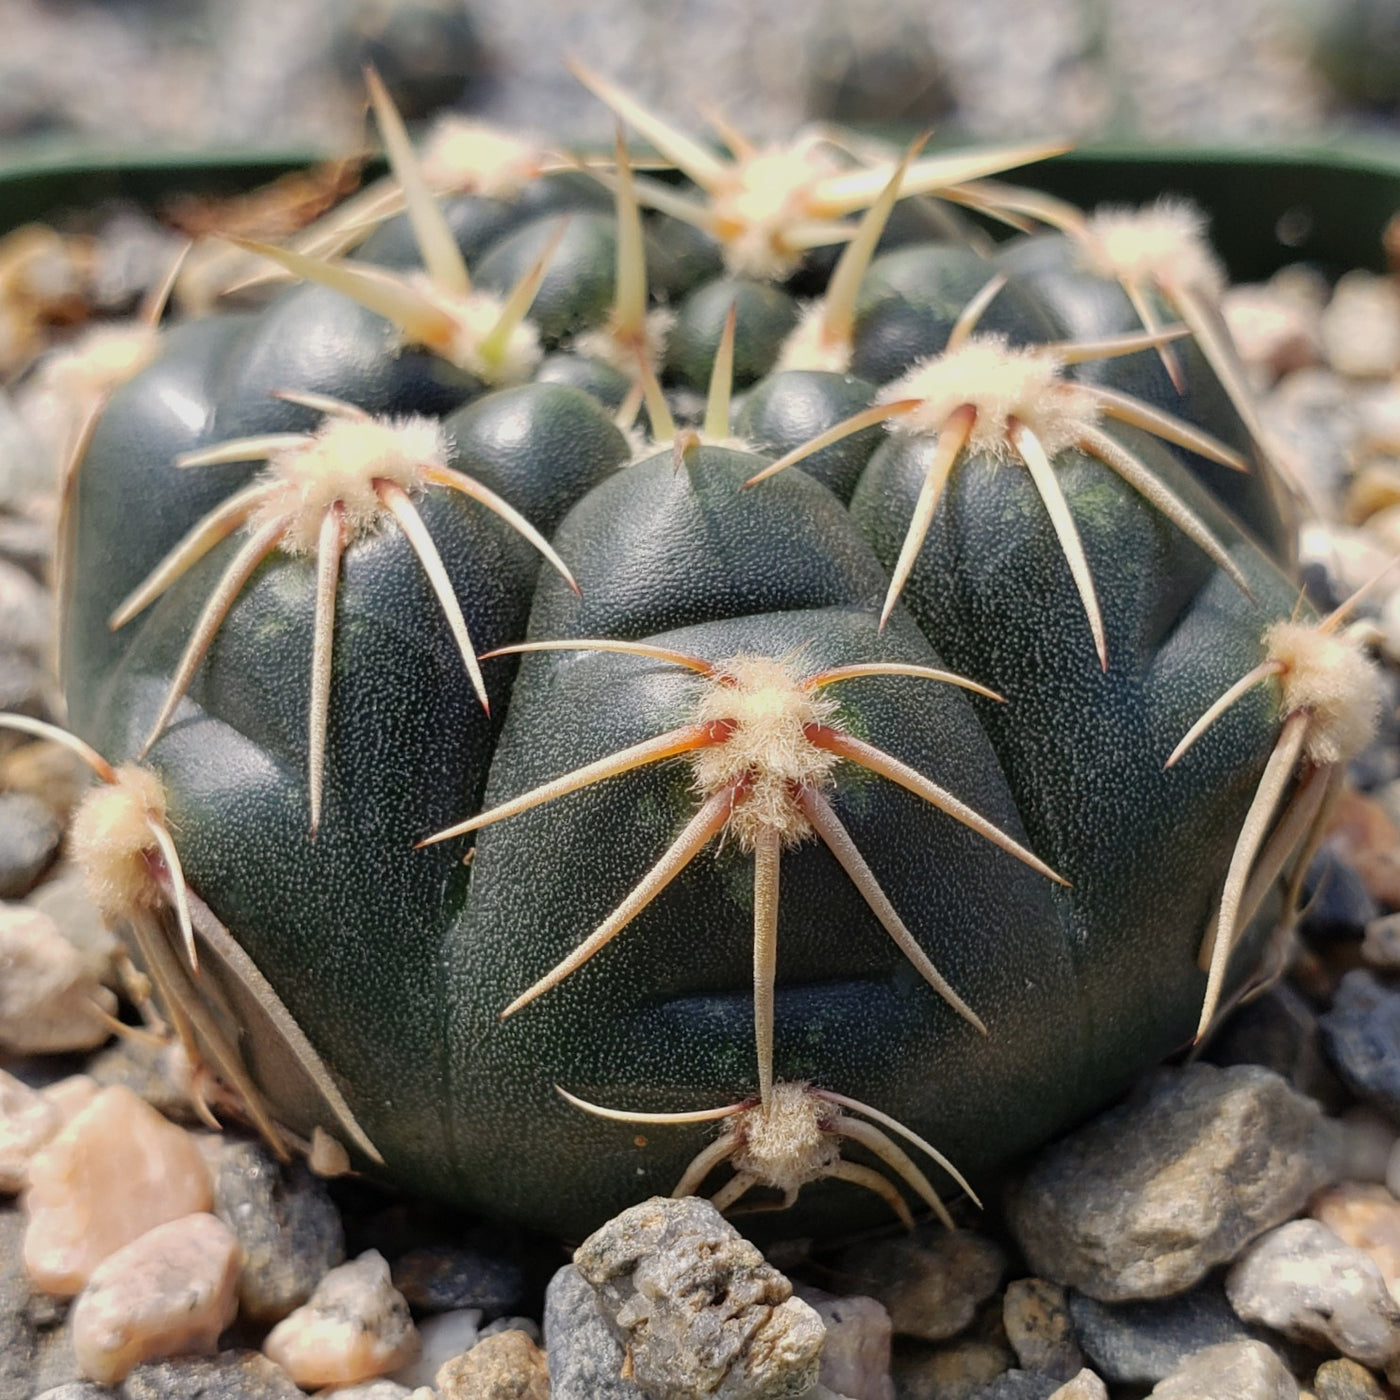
point(604, 685)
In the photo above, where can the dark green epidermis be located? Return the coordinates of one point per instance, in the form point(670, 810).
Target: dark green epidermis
point(344, 925)
point(1084, 749)
point(911, 299)
point(792, 407)
point(1087, 307)
point(657, 548)
point(764, 317)
point(662, 1018)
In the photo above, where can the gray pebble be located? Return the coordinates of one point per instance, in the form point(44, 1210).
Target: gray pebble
point(931, 1282)
point(1303, 1281)
point(585, 1359)
point(445, 1278)
point(75, 1390)
point(231, 1375)
point(1020, 1385)
point(1142, 1343)
point(1035, 1313)
point(1336, 902)
point(17, 1339)
point(701, 1311)
point(286, 1222)
point(1381, 945)
point(29, 840)
point(1362, 1035)
point(1144, 1200)
point(1240, 1370)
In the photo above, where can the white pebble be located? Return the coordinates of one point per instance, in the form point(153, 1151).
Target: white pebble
point(169, 1293)
point(117, 1170)
point(440, 1339)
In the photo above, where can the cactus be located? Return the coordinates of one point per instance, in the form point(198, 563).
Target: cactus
point(817, 799)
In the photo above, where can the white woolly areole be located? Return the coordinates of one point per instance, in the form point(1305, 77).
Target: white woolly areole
point(768, 708)
point(767, 193)
point(474, 316)
point(339, 464)
point(1000, 381)
point(807, 348)
point(1329, 676)
point(603, 342)
point(469, 157)
point(1164, 245)
point(786, 1145)
point(111, 841)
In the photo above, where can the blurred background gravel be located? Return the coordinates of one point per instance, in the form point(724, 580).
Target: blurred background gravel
point(200, 73)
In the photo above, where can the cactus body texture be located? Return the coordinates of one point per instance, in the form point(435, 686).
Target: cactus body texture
point(397, 962)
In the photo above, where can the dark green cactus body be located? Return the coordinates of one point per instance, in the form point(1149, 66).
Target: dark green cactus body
point(398, 962)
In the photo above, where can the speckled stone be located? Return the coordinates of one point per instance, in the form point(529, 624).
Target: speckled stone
point(508, 1366)
point(956, 1372)
point(1362, 1035)
point(931, 1282)
point(1035, 1314)
point(585, 1359)
point(1219, 1156)
point(1345, 1380)
point(232, 1375)
point(286, 1222)
point(445, 1278)
point(1240, 1370)
point(1303, 1281)
point(700, 1310)
point(856, 1353)
point(1085, 1386)
point(1367, 1217)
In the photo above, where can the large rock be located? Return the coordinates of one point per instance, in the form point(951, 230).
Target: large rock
point(585, 1359)
point(701, 1311)
point(1148, 1197)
